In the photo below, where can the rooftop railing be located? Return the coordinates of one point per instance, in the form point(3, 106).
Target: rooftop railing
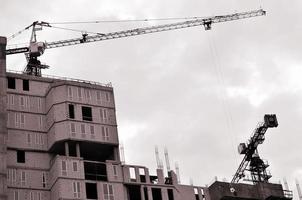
point(66, 79)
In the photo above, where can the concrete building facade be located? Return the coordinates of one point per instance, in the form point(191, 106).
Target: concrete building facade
point(59, 140)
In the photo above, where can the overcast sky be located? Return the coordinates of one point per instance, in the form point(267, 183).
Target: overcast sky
point(199, 93)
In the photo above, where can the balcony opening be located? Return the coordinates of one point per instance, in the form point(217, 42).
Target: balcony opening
point(26, 85)
point(87, 113)
point(95, 171)
point(11, 83)
point(146, 193)
point(72, 149)
point(96, 152)
point(156, 193)
point(71, 111)
point(134, 192)
point(170, 194)
point(91, 191)
point(20, 156)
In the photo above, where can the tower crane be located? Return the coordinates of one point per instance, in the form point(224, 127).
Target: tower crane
point(36, 49)
point(252, 161)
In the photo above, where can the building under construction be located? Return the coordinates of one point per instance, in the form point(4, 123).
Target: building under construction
point(59, 137)
point(59, 140)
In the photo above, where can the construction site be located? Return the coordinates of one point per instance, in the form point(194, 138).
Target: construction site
point(59, 136)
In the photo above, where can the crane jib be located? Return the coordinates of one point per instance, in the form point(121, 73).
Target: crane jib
point(206, 22)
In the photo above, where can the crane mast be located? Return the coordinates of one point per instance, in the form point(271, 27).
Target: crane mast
point(252, 161)
point(36, 49)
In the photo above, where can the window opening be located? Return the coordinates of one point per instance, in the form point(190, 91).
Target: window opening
point(28, 138)
point(80, 93)
point(20, 156)
point(146, 193)
point(75, 166)
point(11, 99)
point(92, 131)
point(91, 191)
point(132, 174)
point(142, 175)
point(39, 103)
point(11, 83)
point(72, 149)
point(23, 178)
point(22, 120)
point(31, 194)
point(40, 122)
point(95, 171)
point(103, 115)
point(98, 96)
point(105, 133)
point(71, 111)
point(76, 190)
point(170, 194)
point(83, 131)
point(16, 195)
point(114, 167)
point(88, 94)
point(17, 117)
point(64, 168)
point(87, 113)
point(69, 92)
point(108, 192)
point(107, 96)
point(44, 180)
point(156, 193)
point(22, 103)
point(72, 129)
point(134, 192)
point(25, 85)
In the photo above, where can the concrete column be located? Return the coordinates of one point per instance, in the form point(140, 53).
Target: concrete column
point(150, 193)
point(3, 120)
point(147, 175)
point(164, 194)
point(142, 192)
point(160, 176)
point(66, 149)
point(78, 150)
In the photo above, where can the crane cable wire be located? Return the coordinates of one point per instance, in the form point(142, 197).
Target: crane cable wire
point(74, 30)
point(222, 94)
point(127, 20)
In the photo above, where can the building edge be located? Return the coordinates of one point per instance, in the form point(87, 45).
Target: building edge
point(3, 120)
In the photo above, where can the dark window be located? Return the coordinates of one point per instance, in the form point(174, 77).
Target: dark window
point(11, 83)
point(95, 171)
point(20, 156)
point(156, 193)
point(146, 193)
point(26, 85)
point(71, 111)
point(170, 194)
point(134, 192)
point(91, 191)
point(86, 113)
point(72, 149)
